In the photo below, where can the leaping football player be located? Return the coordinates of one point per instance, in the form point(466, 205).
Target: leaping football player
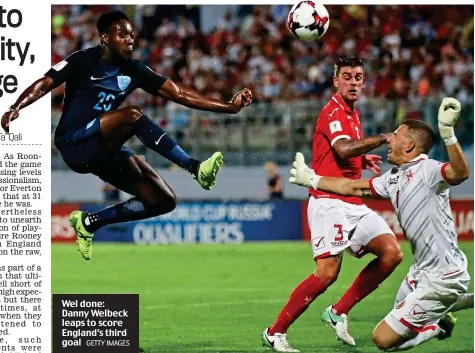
point(93, 129)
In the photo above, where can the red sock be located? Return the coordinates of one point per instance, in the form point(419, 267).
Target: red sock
point(367, 281)
point(299, 300)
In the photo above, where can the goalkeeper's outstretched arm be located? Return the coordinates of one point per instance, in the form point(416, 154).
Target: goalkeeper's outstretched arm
point(304, 176)
point(457, 170)
point(345, 187)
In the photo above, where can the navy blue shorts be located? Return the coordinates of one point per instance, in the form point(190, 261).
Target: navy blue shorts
point(84, 151)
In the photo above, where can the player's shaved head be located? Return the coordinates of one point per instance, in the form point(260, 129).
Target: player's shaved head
point(107, 19)
point(421, 133)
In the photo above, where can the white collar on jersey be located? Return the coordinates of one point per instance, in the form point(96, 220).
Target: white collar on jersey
point(413, 161)
point(420, 157)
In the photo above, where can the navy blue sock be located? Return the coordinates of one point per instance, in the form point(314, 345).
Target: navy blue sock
point(155, 138)
point(130, 210)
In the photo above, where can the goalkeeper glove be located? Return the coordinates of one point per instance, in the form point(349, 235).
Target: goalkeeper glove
point(303, 175)
point(449, 113)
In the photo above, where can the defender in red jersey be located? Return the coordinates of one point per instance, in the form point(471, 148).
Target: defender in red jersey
point(340, 222)
point(336, 123)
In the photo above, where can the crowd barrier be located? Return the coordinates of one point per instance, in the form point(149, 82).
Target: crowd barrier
point(196, 222)
point(230, 222)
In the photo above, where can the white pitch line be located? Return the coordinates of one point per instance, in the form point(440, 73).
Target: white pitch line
point(212, 290)
point(209, 304)
point(227, 303)
point(229, 289)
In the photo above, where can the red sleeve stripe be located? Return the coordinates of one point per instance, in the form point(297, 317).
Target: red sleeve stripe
point(444, 173)
point(371, 186)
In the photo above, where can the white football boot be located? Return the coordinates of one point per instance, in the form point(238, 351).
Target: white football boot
point(277, 342)
point(340, 324)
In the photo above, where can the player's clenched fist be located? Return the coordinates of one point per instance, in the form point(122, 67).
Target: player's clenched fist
point(301, 174)
point(10, 115)
point(242, 99)
point(449, 113)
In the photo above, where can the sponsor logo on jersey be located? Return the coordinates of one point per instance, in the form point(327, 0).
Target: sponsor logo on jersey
point(339, 243)
point(90, 124)
point(393, 179)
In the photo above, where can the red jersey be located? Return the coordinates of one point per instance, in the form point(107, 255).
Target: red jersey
point(335, 122)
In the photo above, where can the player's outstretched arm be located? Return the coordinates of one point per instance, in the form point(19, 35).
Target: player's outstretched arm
point(38, 89)
point(302, 175)
point(346, 148)
point(345, 187)
point(457, 170)
point(193, 99)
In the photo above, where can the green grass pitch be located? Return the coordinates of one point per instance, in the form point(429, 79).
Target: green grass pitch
point(219, 298)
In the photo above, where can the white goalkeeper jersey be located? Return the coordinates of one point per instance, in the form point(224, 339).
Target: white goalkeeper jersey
point(419, 193)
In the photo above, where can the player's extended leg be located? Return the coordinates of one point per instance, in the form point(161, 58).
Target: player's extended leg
point(421, 311)
point(152, 197)
point(120, 125)
point(387, 339)
point(302, 296)
point(389, 255)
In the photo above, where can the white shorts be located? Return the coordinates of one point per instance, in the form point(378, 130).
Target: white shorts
point(426, 297)
point(336, 225)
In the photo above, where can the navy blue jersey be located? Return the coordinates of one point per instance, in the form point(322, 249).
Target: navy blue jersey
point(95, 86)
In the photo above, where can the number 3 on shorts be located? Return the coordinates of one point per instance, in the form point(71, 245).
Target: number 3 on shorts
point(339, 234)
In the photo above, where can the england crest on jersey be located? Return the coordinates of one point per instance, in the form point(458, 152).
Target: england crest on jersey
point(123, 82)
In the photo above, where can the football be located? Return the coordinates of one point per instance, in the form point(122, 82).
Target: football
point(308, 20)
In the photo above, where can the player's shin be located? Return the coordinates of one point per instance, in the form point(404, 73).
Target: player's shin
point(299, 300)
point(127, 211)
point(421, 337)
point(367, 281)
point(155, 138)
